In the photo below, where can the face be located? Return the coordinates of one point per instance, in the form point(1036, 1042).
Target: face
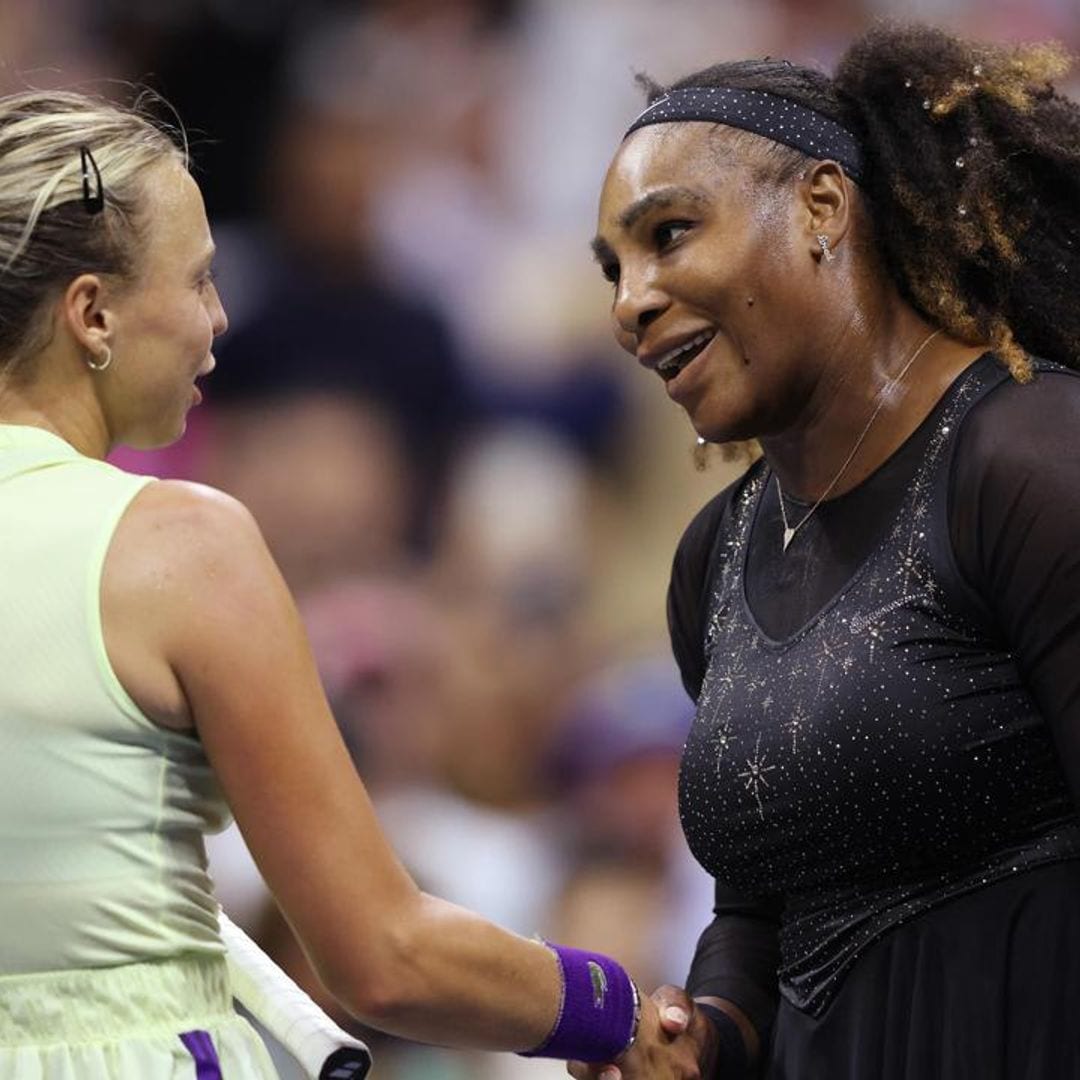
point(163, 323)
point(709, 267)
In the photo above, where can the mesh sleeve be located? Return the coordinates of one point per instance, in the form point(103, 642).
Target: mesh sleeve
point(1014, 522)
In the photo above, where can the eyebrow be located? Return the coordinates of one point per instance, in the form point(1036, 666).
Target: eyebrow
point(601, 250)
point(661, 198)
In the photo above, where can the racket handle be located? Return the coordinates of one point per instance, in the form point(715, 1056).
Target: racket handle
point(322, 1049)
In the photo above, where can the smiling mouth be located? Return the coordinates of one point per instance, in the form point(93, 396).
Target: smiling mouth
point(670, 364)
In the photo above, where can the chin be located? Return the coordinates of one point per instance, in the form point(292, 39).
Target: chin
point(156, 438)
point(720, 421)
point(728, 431)
point(174, 435)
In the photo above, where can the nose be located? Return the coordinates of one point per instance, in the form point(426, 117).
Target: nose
point(219, 321)
point(638, 302)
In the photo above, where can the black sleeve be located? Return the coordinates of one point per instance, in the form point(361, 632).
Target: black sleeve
point(737, 957)
point(1014, 520)
point(688, 591)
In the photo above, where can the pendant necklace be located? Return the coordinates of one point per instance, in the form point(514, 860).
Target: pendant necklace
point(883, 396)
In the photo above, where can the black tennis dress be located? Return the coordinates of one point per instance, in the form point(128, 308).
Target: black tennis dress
point(883, 772)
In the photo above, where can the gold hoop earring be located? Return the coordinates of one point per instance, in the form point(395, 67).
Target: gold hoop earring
point(103, 363)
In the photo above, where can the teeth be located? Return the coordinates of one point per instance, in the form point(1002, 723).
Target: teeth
point(670, 360)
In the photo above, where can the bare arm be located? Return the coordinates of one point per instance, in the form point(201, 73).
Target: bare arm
point(219, 638)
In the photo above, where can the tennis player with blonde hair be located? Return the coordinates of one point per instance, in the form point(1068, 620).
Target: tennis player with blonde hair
point(155, 677)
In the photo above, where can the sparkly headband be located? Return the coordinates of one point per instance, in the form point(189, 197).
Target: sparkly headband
point(765, 114)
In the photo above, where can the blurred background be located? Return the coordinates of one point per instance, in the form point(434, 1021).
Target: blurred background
point(474, 496)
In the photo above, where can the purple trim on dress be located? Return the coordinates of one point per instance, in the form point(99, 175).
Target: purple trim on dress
point(201, 1048)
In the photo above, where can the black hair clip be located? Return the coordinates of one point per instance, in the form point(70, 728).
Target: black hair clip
point(93, 200)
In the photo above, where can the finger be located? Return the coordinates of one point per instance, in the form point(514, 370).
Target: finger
point(672, 995)
point(674, 1019)
point(580, 1070)
point(675, 1008)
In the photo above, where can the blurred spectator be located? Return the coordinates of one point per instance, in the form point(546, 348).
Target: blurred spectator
point(205, 57)
point(317, 321)
point(327, 478)
point(516, 524)
point(633, 887)
point(443, 219)
point(616, 757)
point(50, 44)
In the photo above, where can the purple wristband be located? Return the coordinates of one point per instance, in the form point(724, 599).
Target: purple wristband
point(598, 1014)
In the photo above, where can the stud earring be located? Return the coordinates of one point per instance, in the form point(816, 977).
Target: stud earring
point(102, 363)
point(826, 251)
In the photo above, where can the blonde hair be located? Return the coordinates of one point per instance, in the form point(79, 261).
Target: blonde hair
point(49, 233)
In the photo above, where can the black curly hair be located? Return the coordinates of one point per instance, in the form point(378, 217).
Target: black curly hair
point(972, 176)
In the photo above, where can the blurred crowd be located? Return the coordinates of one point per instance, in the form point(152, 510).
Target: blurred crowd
point(473, 495)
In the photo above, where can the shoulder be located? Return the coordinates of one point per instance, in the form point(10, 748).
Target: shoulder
point(187, 585)
point(1015, 477)
point(189, 520)
point(182, 545)
point(690, 573)
point(1017, 426)
point(696, 544)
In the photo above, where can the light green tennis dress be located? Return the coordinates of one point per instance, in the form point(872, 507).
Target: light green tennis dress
point(111, 965)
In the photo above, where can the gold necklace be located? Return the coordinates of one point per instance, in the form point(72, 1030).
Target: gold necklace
point(883, 394)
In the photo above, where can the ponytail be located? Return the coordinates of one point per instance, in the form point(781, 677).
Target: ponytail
point(974, 185)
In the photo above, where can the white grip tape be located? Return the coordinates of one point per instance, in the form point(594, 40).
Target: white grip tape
point(322, 1049)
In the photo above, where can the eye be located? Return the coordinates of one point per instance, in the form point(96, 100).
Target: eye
point(610, 270)
point(669, 233)
point(205, 280)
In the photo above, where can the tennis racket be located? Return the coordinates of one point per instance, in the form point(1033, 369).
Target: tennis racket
point(321, 1049)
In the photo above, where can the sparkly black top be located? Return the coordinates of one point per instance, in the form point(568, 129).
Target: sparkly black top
point(889, 712)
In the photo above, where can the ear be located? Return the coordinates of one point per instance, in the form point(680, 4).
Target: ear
point(826, 205)
point(85, 311)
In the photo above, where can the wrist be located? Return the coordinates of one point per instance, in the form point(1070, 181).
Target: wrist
point(725, 1050)
point(599, 1009)
point(706, 1040)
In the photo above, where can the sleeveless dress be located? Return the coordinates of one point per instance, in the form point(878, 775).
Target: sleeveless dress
point(875, 773)
point(111, 965)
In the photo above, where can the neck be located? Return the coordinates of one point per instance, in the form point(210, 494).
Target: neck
point(66, 406)
point(864, 377)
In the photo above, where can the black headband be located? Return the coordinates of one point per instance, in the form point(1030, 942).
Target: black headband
point(764, 114)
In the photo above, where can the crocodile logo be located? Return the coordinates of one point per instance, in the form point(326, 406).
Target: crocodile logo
point(599, 984)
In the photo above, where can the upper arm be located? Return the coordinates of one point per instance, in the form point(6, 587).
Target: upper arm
point(215, 607)
point(686, 597)
point(1015, 525)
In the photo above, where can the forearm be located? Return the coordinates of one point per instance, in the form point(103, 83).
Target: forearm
point(736, 963)
point(448, 976)
point(734, 971)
